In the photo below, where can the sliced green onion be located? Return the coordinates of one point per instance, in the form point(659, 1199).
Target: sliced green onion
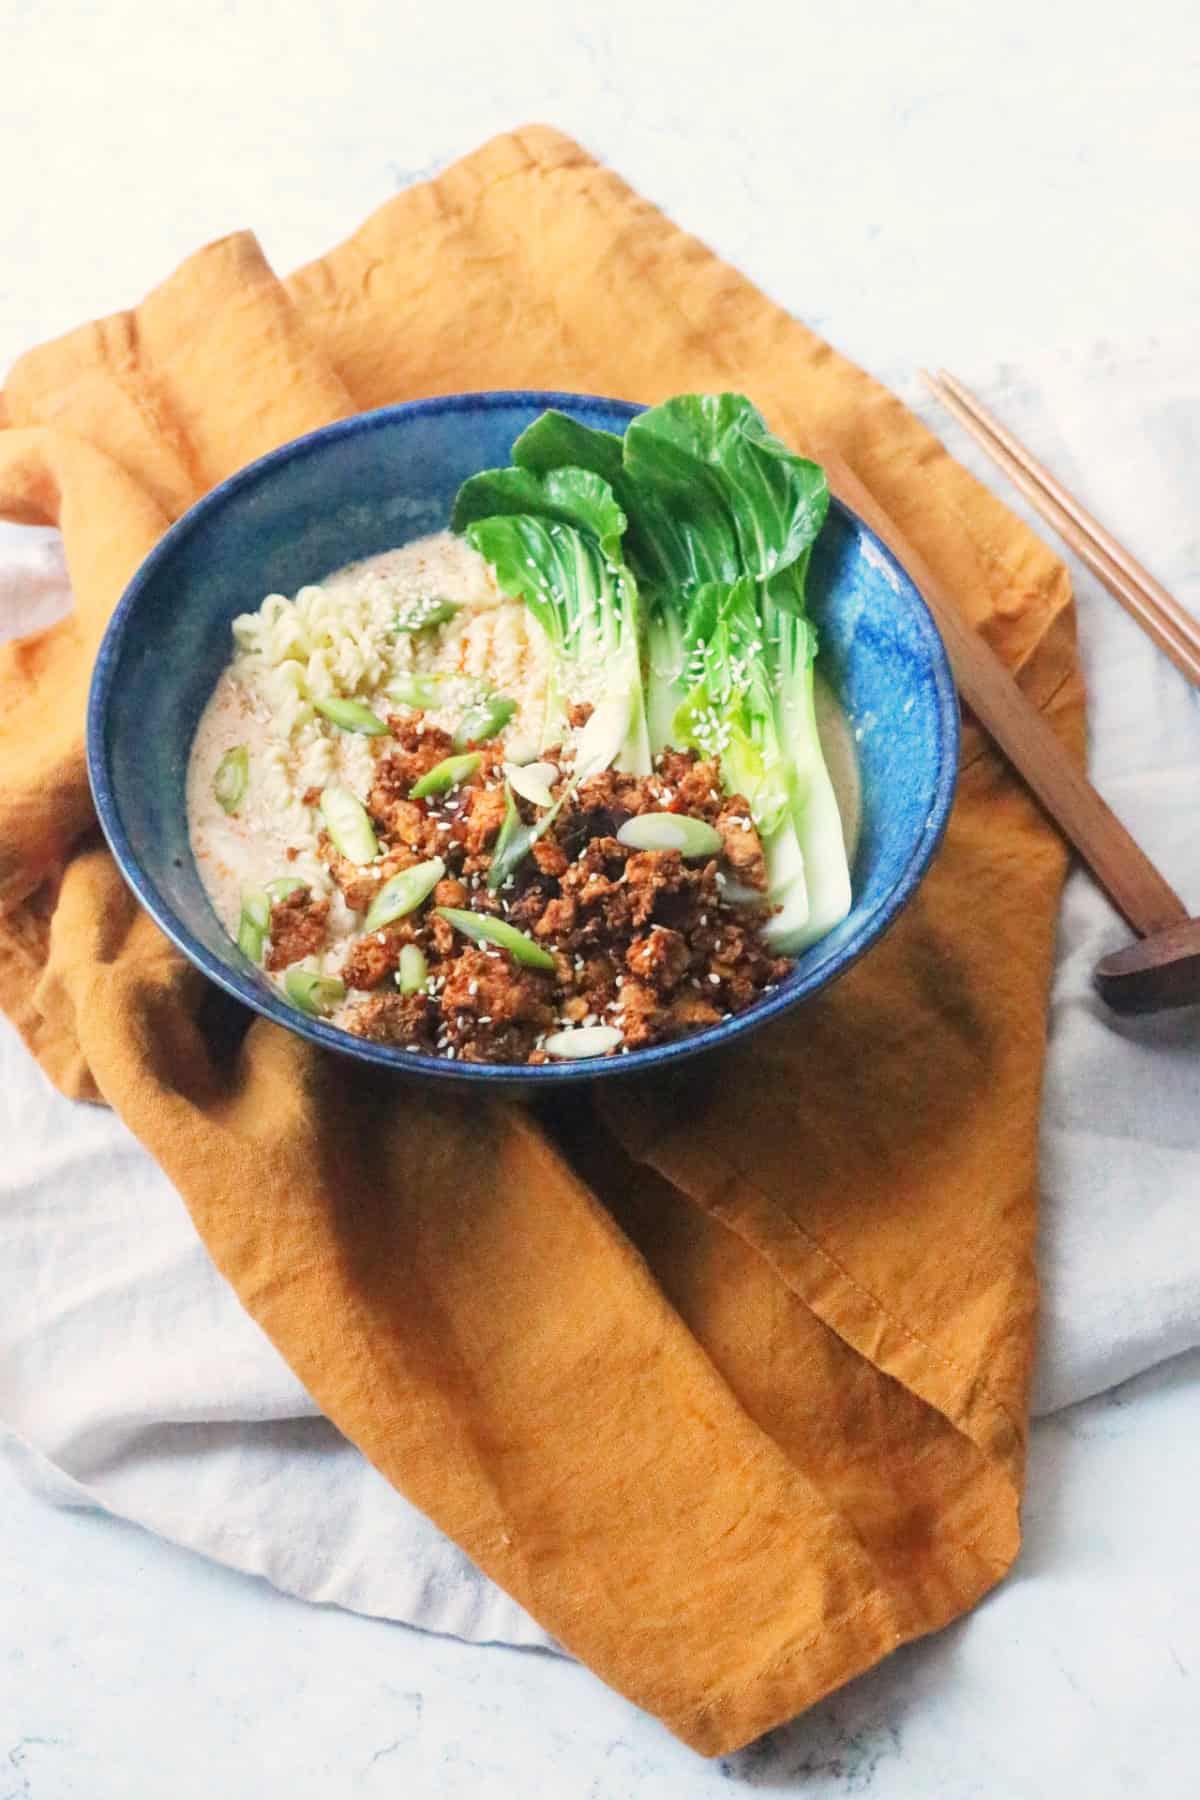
point(736, 893)
point(312, 993)
point(486, 930)
point(282, 886)
point(485, 719)
point(348, 825)
point(410, 689)
point(257, 908)
point(403, 893)
point(670, 831)
point(507, 855)
point(584, 1040)
point(232, 778)
point(446, 774)
point(422, 614)
point(532, 781)
point(510, 830)
point(351, 715)
point(413, 970)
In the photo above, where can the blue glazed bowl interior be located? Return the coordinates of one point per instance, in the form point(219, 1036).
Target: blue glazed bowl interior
point(372, 482)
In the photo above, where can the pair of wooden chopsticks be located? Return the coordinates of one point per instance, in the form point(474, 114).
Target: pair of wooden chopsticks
point(1163, 967)
point(1161, 616)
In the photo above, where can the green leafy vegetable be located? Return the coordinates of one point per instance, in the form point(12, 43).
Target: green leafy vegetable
point(561, 554)
point(815, 813)
point(728, 710)
point(556, 441)
point(486, 930)
point(444, 775)
point(232, 778)
point(711, 461)
point(573, 497)
point(720, 520)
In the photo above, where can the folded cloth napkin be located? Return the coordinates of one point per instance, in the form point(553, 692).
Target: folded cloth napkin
point(724, 1378)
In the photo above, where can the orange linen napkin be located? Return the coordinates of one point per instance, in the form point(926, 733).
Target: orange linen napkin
point(725, 1377)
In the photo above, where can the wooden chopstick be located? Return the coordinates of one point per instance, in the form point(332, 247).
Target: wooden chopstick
point(1159, 614)
point(1122, 868)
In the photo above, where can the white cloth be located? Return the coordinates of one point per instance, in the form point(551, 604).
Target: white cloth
point(130, 1378)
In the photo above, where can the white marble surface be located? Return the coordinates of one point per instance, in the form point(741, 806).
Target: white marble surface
point(993, 188)
point(129, 1671)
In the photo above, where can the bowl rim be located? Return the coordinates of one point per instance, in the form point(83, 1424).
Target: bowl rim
point(407, 1062)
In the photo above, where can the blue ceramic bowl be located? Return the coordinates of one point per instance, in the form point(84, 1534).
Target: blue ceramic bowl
point(368, 483)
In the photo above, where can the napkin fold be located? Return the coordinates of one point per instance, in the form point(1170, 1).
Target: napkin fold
point(723, 1377)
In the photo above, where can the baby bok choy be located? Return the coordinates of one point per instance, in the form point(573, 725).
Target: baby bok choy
point(791, 647)
point(555, 541)
point(720, 517)
point(726, 708)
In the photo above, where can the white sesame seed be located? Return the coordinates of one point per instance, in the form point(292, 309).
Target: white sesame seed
point(716, 980)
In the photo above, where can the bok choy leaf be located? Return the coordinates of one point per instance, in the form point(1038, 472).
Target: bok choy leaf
point(555, 542)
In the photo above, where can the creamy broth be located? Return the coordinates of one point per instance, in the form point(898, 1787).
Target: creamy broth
point(487, 641)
